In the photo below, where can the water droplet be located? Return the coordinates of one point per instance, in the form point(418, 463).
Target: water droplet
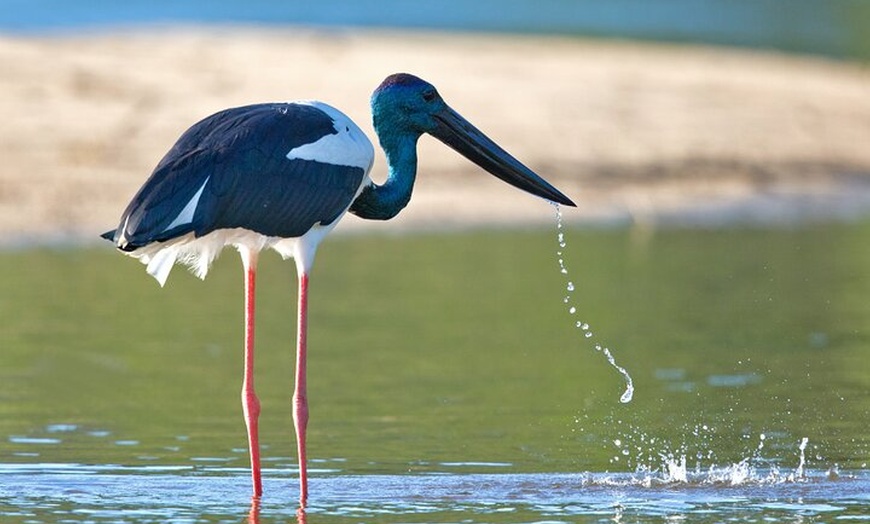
point(628, 393)
point(629, 389)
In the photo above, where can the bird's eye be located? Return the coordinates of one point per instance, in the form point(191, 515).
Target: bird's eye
point(429, 95)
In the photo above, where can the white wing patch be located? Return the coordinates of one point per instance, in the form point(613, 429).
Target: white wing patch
point(186, 214)
point(349, 146)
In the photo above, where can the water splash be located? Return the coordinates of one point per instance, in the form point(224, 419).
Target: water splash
point(800, 472)
point(572, 310)
point(692, 460)
point(66, 492)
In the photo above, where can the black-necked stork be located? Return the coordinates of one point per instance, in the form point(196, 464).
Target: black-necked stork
point(280, 176)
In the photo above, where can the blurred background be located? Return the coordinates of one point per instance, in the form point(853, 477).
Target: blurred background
point(705, 111)
point(836, 28)
point(718, 151)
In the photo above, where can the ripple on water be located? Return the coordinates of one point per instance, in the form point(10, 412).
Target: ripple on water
point(20, 439)
point(61, 492)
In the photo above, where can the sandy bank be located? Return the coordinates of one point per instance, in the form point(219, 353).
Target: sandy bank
point(631, 132)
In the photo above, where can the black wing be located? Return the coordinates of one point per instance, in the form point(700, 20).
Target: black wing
point(238, 159)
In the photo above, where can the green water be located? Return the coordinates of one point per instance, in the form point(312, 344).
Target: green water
point(453, 352)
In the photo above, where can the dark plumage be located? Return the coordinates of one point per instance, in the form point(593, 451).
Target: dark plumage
point(237, 158)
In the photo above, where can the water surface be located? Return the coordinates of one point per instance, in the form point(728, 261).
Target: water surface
point(448, 382)
point(215, 495)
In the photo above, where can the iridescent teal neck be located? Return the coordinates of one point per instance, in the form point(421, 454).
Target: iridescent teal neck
point(400, 145)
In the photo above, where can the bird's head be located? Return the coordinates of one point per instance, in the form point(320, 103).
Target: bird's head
point(405, 105)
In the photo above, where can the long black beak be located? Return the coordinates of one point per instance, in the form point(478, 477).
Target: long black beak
point(470, 142)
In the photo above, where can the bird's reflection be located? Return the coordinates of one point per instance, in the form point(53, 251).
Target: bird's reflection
point(254, 513)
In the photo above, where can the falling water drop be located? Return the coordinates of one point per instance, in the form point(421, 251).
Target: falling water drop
point(629, 384)
point(587, 333)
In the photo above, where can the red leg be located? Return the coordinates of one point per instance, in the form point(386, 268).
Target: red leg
point(300, 396)
point(250, 402)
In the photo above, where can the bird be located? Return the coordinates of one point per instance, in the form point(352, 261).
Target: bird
point(280, 176)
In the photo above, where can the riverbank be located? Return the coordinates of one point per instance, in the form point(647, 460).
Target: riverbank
point(633, 132)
